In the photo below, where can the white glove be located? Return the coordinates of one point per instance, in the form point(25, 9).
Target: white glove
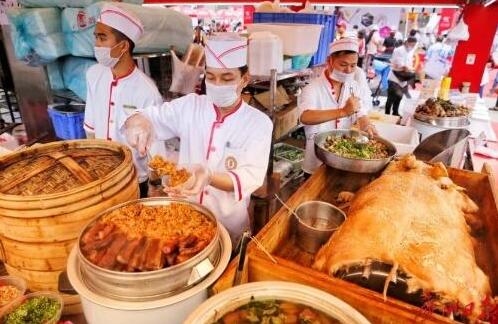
point(202, 178)
point(139, 133)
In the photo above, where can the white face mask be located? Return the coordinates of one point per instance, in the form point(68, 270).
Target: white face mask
point(103, 56)
point(222, 96)
point(341, 76)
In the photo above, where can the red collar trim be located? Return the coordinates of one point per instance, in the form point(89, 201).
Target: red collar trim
point(115, 80)
point(220, 119)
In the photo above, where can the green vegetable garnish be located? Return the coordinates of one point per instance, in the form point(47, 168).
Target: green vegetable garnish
point(349, 148)
point(37, 310)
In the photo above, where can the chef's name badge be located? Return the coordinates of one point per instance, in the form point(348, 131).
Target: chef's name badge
point(129, 109)
point(230, 163)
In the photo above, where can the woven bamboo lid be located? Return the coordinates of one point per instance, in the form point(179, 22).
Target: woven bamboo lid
point(60, 167)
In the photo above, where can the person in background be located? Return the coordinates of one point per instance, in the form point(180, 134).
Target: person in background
point(414, 34)
point(116, 88)
point(361, 48)
point(373, 42)
point(199, 35)
point(335, 100)
point(390, 43)
point(397, 34)
point(438, 59)
point(226, 141)
point(485, 77)
point(401, 72)
point(341, 30)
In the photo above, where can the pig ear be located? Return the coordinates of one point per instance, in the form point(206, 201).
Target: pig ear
point(468, 205)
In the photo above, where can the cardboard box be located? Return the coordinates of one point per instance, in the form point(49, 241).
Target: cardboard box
point(285, 120)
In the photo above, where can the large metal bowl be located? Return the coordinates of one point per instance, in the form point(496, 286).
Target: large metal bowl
point(346, 164)
point(444, 122)
point(149, 285)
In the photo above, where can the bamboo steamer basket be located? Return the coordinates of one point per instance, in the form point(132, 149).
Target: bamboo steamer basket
point(48, 193)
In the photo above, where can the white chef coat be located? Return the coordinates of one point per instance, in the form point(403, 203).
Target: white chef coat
point(318, 96)
point(437, 60)
point(401, 57)
point(373, 44)
point(111, 100)
point(238, 144)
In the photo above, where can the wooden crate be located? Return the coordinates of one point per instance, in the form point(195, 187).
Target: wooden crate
point(294, 264)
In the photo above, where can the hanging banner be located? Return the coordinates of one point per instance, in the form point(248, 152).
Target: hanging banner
point(367, 16)
point(248, 14)
point(448, 19)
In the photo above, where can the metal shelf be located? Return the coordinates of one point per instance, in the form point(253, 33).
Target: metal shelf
point(285, 75)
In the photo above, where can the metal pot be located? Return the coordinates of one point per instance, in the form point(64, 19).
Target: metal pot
point(99, 308)
point(346, 164)
point(444, 122)
point(315, 222)
point(233, 298)
point(143, 286)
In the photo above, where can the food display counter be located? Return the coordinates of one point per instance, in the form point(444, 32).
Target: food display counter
point(279, 257)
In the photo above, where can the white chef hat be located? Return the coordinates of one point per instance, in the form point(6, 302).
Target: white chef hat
point(123, 21)
point(344, 44)
point(226, 50)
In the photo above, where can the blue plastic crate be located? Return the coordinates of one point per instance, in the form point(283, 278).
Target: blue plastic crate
point(326, 37)
point(68, 121)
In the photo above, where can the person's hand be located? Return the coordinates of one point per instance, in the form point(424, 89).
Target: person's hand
point(352, 106)
point(139, 133)
point(201, 178)
point(370, 130)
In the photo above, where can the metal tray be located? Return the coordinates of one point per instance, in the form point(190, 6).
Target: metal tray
point(444, 122)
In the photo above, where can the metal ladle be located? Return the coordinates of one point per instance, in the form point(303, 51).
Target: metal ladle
point(358, 137)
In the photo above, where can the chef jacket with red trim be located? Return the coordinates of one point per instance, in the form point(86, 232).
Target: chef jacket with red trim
point(320, 95)
point(111, 100)
point(238, 144)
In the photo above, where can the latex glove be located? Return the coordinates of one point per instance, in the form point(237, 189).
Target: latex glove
point(139, 133)
point(352, 106)
point(370, 130)
point(201, 178)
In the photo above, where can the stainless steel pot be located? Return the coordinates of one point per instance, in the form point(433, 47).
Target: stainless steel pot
point(315, 222)
point(101, 309)
point(346, 164)
point(150, 285)
point(444, 122)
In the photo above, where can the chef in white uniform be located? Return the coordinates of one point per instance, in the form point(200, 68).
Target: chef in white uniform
point(228, 140)
point(334, 100)
point(115, 86)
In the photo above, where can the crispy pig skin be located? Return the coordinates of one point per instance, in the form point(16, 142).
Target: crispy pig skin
point(109, 228)
point(100, 244)
point(155, 258)
point(91, 234)
point(170, 246)
point(127, 251)
point(109, 259)
point(136, 257)
point(407, 218)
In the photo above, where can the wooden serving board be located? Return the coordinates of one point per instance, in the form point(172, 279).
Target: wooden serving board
point(293, 264)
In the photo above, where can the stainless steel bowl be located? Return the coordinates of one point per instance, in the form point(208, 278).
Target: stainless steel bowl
point(346, 164)
point(315, 222)
point(150, 285)
point(444, 122)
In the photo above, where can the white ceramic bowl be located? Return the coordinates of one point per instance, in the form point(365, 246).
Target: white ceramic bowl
point(217, 306)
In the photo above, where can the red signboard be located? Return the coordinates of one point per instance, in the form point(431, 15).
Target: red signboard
point(248, 12)
point(448, 19)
